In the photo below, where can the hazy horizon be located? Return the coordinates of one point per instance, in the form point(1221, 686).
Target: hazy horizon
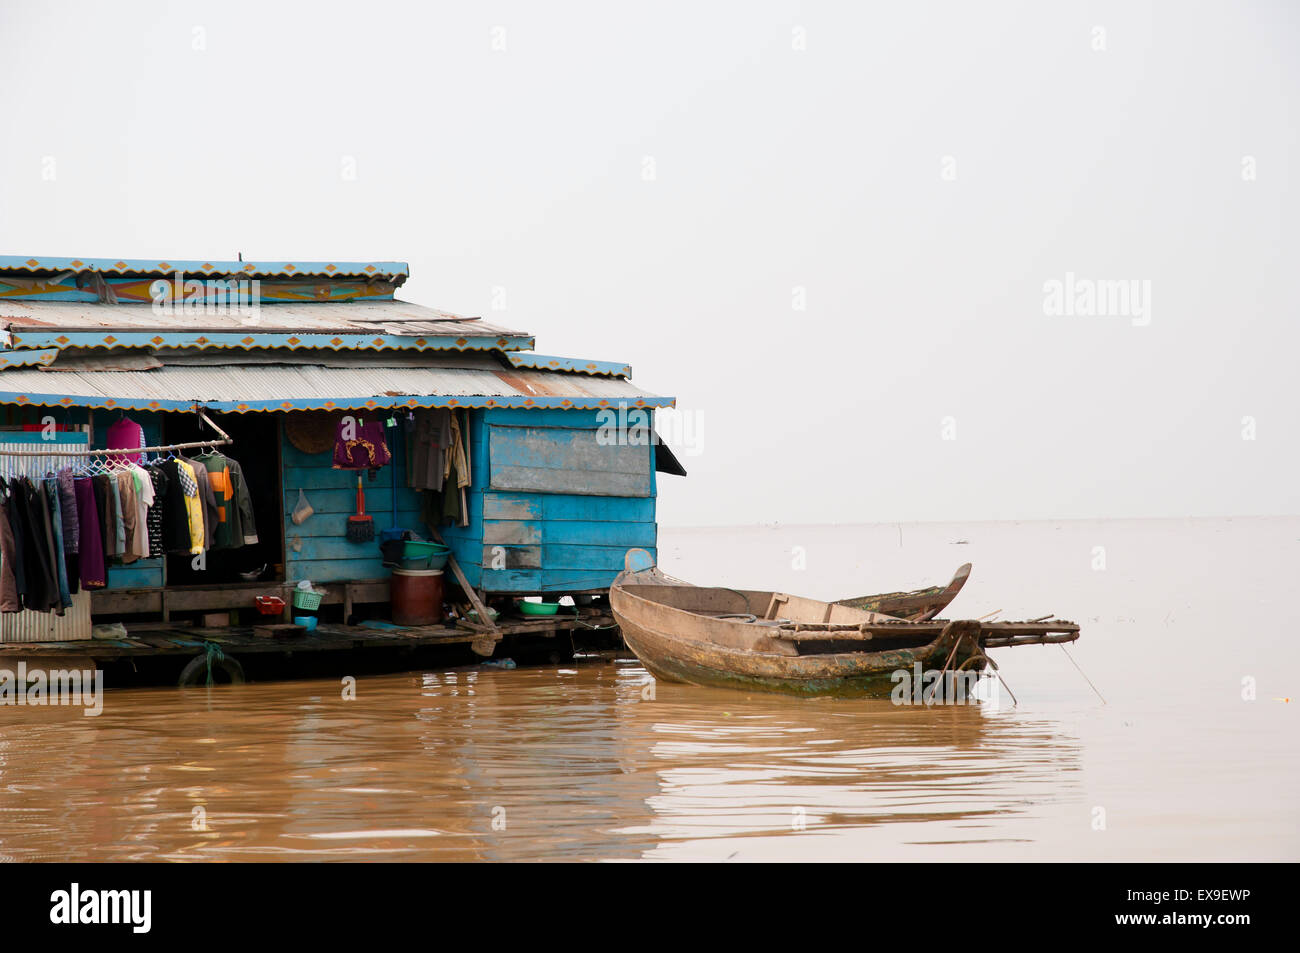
point(925, 263)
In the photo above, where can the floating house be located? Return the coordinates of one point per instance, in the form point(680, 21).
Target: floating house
point(561, 451)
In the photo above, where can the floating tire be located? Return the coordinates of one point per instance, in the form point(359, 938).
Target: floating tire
point(195, 673)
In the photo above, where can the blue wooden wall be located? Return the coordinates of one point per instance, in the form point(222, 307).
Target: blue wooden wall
point(319, 549)
point(523, 541)
point(517, 541)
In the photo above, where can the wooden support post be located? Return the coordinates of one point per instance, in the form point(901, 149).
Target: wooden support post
point(484, 616)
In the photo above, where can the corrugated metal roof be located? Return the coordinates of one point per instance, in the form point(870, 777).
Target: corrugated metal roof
point(577, 365)
point(479, 381)
point(394, 317)
point(163, 266)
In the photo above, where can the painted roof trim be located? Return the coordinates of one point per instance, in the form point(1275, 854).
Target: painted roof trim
point(39, 337)
point(166, 266)
point(27, 358)
point(354, 403)
point(575, 365)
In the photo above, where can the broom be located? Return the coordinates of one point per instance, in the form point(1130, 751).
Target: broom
point(361, 528)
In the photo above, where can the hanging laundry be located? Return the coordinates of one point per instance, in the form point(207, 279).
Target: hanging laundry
point(226, 530)
point(91, 548)
point(177, 535)
point(119, 518)
point(125, 434)
point(427, 447)
point(130, 510)
point(71, 530)
point(104, 509)
point(14, 510)
point(207, 500)
point(38, 549)
point(9, 601)
point(243, 503)
point(144, 501)
point(49, 488)
point(68, 507)
point(360, 446)
point(193, 506)
point(235, 525)
point(154, 520)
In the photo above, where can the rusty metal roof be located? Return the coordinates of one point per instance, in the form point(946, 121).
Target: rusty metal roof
point(355, 324)
point(33, 264)
point(359, 381)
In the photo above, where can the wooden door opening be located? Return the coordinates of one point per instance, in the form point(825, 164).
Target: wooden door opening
point(256, 446)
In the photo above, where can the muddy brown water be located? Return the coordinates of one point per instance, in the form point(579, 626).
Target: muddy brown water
point(586, 762)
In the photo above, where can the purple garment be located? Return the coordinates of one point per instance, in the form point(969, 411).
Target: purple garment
point(125, 434)
point(93, 573)
point(367, 451)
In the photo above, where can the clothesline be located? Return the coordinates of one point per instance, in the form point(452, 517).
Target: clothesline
point(119, 451)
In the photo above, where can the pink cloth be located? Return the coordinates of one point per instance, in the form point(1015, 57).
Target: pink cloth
point(126, 434)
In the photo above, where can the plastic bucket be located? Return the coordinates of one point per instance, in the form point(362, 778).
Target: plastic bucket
point(416, 596)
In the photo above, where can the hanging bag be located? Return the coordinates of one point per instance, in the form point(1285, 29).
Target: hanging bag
point(302, 510)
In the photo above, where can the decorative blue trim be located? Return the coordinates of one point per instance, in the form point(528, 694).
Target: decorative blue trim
point(545, 362)
point(29, 337)
point(163, 266)
point(337, 403)
point(27, 358)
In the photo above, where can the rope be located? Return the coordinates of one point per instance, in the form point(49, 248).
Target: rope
point(213, 649)
point(1081, 671)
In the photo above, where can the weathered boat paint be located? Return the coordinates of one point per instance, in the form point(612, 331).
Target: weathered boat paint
point(917, 605)
point(681, 645)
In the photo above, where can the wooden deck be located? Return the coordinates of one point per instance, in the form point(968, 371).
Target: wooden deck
point(178, 642)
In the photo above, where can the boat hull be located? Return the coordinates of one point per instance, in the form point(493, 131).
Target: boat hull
point(858, 674)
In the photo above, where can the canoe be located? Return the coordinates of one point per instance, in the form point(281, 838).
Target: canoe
point(772, 641)
point(917, 605)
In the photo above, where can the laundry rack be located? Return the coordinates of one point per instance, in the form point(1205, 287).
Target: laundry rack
point(25, 453)
point(39, 448)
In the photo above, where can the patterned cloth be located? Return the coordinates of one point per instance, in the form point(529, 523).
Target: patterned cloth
point(193, 506)
point(154, 520)
point(68, 507)
point(366, 450)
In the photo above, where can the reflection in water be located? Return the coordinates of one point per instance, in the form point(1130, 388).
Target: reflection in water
point(503, 765)
point(577, 764)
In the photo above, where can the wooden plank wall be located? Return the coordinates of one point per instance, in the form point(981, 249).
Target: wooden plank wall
point(143, 573)
point(531, 541)
point(319, 549)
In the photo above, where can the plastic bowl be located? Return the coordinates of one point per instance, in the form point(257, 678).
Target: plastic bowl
point(539, 608)
point(418, 553)
point(308, 622)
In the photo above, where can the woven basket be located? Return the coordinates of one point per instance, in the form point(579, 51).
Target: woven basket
point(312, 431)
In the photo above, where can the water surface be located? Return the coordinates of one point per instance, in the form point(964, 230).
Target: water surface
point(583, 762)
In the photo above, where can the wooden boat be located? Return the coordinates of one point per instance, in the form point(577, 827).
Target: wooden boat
point(774, 641)
point(915, 606)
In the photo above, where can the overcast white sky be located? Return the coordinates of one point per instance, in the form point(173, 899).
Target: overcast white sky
point(652, 183)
